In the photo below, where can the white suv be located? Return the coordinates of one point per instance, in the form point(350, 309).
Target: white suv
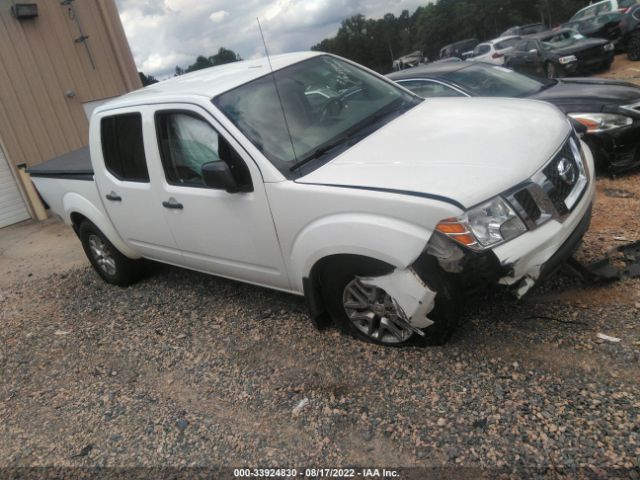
point(494, 51)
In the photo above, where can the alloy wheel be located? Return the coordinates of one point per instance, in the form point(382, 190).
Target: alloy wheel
point(374, 313)
point(102, 255)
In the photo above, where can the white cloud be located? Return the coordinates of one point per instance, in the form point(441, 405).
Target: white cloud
point(166, 33)
point(217, 17)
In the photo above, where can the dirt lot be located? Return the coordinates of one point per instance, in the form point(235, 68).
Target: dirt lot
point(185, 369)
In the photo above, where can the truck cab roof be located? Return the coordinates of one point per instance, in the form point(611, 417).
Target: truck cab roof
point(208, 82)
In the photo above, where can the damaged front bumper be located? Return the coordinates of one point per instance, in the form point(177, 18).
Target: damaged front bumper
point(539, 252)
point(520, 263)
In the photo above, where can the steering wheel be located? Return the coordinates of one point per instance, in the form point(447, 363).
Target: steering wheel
point(331, 108)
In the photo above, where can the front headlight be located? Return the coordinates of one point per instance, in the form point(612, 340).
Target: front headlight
point(609, 47)
point(567, 59)
point(484, 226)
point(601, 122)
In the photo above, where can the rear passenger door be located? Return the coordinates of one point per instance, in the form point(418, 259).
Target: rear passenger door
point(128, 187)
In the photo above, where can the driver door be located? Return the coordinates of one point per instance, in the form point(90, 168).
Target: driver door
point(226, 234)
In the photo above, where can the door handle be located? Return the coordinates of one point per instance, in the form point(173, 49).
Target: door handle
point(114, 197)
point(173, 204)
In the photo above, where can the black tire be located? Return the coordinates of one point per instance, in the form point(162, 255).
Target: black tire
point(335, 278)
point(633, 47)
point(552, 71)
point(121, 270)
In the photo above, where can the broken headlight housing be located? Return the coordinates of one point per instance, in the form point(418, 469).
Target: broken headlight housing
point(485, 226)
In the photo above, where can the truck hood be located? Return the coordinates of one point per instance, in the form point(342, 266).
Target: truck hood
point(466, 150)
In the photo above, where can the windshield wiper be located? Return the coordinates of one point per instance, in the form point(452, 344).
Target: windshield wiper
point(350, 133)
point(320, 151)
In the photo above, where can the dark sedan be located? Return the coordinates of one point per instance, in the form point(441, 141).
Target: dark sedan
point(561, 53)
point(609, 111)
point(605, 26)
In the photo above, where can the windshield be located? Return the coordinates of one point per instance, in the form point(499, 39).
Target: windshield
point(328, 105)
point(562, 39)
point(492, 81)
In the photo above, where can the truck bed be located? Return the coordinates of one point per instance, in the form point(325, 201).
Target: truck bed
point(75, 165)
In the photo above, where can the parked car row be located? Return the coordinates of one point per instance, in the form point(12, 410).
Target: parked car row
point(383, 209)
point(607, 110)
point(534, 48)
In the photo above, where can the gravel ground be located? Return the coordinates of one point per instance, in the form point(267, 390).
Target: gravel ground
point(185, 369)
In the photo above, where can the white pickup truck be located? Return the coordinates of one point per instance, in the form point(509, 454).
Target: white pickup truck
point(326, 180)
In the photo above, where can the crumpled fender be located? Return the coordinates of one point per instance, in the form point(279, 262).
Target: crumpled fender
point(415, 298)
point(356, 234)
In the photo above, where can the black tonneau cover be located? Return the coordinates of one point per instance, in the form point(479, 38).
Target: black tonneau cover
point(75, 165)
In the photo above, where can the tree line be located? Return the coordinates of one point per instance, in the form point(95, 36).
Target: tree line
point(224, 55)
point(376, 42)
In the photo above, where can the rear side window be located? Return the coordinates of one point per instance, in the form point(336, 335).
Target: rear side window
point(123, 147)
point(522, 46)
point(507, 43)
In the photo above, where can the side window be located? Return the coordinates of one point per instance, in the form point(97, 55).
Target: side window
point(187, 142)
point(507, 43)
point(427, 89)
point(604, 8)
point(482, 49)
point(123, 147)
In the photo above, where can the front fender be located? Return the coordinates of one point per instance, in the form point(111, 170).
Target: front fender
point(75, 203)
point(387, 239)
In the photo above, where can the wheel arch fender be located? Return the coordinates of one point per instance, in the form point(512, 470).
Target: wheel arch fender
point(364, 235)
point(78, 208)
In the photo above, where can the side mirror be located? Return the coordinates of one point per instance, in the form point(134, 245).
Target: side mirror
point(218, 175)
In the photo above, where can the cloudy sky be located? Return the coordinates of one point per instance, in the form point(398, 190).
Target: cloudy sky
point(166, 33)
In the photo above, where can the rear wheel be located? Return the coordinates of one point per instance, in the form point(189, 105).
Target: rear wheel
point(108, 262)
point(633, 47)
point(369, 313)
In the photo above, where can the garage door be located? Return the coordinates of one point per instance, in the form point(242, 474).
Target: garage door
point(12, 207)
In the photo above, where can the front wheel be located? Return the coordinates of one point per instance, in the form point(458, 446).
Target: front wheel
point(633, 47)
point(369, 313)
point(105, 258)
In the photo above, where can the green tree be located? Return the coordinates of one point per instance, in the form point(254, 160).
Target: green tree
point(223, 56)
point(147, 79)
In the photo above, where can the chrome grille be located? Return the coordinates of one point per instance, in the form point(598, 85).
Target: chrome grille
point(562, 173)
point(590, 54)
point(555, 190)
point(528, 204)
